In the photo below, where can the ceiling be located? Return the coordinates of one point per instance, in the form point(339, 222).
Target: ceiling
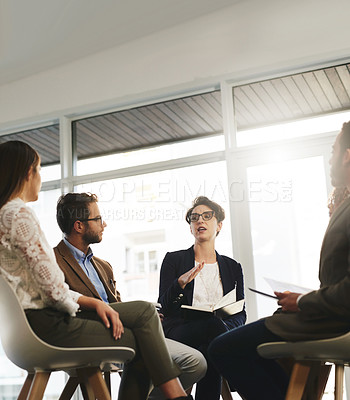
point(36, 35)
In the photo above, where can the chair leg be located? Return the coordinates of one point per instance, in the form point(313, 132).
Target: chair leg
point(39, 385)
point(298, 380)
point(87, 391)
point(107, 376)
point(70, 388)
point(23, 394)
point(322, 379)
point(317, 380)
point(339, 382)
point(85, 386)
point(189, 390)
point(225, 390)
point(93, 379)
point(99, 385)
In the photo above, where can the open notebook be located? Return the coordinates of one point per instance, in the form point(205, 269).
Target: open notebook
point(224, 308)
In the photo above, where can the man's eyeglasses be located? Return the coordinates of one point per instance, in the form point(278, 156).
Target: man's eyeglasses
point(99, 218)
point(206, 216)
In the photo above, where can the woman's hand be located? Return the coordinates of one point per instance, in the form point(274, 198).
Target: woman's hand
point(188, 276)
point(288, 301)
point(108, 315)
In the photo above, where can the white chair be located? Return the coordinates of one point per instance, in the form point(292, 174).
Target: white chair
point(25, 349)
point(308, 356)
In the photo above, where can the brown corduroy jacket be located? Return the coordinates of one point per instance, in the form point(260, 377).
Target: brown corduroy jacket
point(78, 281)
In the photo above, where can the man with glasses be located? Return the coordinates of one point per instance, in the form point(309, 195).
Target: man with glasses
point(79, 218)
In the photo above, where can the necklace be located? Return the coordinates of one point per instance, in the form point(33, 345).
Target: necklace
point(210, 281)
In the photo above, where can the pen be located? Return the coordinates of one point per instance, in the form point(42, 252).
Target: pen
point(264, 294)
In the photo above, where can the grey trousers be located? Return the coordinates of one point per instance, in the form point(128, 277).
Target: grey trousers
point(191, 362)
point(142, 331)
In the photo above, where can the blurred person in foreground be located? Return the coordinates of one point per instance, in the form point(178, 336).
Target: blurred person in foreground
point(200, 276)
point(336, 198)
point(319, 314)
point(60, 316)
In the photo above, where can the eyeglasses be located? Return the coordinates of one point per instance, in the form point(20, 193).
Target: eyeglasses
point(206, 216)
point(99, 218)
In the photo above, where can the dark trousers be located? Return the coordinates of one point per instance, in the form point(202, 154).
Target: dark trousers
point(234, 355)
point(199, 334)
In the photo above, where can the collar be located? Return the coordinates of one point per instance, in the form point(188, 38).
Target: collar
point(79, 255)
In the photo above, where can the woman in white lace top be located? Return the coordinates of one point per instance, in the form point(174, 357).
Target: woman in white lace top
point(52, 309)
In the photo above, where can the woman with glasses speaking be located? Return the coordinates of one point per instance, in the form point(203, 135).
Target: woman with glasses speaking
point(200, 277)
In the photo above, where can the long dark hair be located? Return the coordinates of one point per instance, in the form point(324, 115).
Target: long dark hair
point(16, 159)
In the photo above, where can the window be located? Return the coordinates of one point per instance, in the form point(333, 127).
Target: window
point(145, 127)
point(45, 210)
point(152, 261)
point(160, 153)
point(140, 262)
point(45, 141)
point(290, 130)
point(289, 215)
point(292, 106)
point(145, 216)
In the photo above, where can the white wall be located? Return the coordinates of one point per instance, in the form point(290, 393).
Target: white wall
point(248, 39)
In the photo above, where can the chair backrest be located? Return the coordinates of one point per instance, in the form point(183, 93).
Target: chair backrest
point(335, 349)
point(25, 349)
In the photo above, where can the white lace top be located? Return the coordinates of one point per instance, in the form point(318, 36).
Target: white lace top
point(28, 262)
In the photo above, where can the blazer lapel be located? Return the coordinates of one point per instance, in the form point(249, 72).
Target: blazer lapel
point(189, 264)
point(76, 268)
point(225, 278)
point(337, 213)
point(102, 275)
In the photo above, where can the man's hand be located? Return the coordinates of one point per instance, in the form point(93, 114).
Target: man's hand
point(288, 301)
point(188, 276)
point(109, 317)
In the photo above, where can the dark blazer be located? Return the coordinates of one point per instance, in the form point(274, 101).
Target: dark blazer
point(325, 312)
point(171, 296)
point(77, 279)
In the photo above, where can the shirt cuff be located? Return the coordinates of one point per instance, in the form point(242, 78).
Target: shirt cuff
point(298, 299)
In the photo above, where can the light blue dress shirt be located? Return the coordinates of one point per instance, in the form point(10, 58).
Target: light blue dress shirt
point(85, 262)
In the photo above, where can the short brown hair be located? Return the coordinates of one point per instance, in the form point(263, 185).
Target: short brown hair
point(16, 159)
point(202, 200)
point(73, 207)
